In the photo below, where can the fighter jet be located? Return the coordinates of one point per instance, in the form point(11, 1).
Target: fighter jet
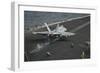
point(59, 31)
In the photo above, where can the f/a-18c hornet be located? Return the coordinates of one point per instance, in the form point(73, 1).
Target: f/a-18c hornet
point(59, 31)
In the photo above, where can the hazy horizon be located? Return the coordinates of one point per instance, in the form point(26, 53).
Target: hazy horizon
point(32, 18)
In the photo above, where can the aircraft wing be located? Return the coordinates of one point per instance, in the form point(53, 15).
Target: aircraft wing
point(40, 32)
point(64, 33)
point(68, 34)
point(46, 32)
point(55, 33)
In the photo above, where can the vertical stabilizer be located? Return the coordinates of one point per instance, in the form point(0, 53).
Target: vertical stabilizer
point(47, 27)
